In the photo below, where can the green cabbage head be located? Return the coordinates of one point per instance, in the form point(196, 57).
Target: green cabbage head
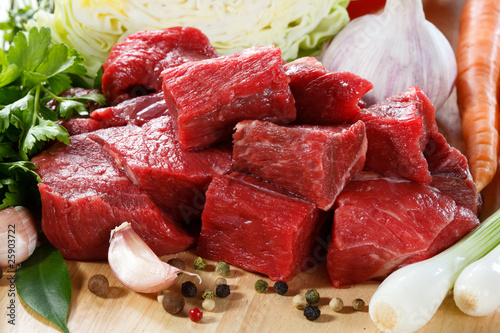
point(298, 27)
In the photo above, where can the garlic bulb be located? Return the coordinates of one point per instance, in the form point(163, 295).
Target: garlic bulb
point(18, 235)
point(135, 265)
point(395, 50)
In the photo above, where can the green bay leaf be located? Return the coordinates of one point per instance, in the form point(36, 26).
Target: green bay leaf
point(43, 283)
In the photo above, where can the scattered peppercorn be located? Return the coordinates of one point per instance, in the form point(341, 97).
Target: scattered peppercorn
point(188, 289)
point(336, 304)
point(176, 262)
point(261, 286)
point(280, 287)
point(200, 264)
point(172, 302)
point(299, 301)
point(312, 296)
point(222, 290)
point(98, 284)
point(208, 304)
point(312, 312)
point(222, 269)
point(195, 314)
point(207, 293)
point(358, 304)
point(220, 281)
point(1, 273)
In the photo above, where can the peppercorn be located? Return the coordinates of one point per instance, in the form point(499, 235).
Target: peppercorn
point(98, 284)
point(358, 304)
point(207, 293)
point(200, 264)
point(195, 314)
point(312, 312)
point(222, 290)
point(312, 296)
point(261, 286)
point(222, 269)
point(280, 287)
point(336, 304)
point(188, 289)
point(172, 302)
point(220, 281)
point(208, 304)
point(176, 262)
point(299, 301)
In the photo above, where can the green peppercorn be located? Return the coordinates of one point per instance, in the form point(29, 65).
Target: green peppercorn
point(280, 287)
point(312, 312)
point(200, 264)
point(188, 289)
point(312, 296)
point(207, 293)
point(261, 286)
point(222, 269)
point(222, 290)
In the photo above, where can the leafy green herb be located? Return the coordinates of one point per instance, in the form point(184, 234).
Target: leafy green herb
point(43, 283)
point(32, 72)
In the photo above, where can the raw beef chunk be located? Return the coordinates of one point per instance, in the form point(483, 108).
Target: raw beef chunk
point(84, 196)
point(258, 227)
point(137, 111)
point(323, 97)
point(134, 65)
point(175, 179)
point(77, 126)
point(381, 224)
point(398, 130)
point(450, 173)
point(314, 162)
point(209, 97)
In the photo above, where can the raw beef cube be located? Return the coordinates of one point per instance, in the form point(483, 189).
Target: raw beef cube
point(258, 227)
point(77, 126)
point(175, 179)
point(398, 130)
point(323, 97)
point(84, 196)
point(450, 173)
point(381, 224)
point(137, 111)
point(209, 97)
point(134, 65)
point(314, 162)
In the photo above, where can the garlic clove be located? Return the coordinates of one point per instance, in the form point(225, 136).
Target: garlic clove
point(135, 265)
point(18, 235)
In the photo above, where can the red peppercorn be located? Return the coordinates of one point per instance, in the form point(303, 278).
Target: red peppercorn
point(195, 314)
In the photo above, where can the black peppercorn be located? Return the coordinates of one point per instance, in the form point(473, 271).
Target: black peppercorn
point(280, 287)
point(188, 289)
point(176, 262)
point(222, 290)
point(312, 312)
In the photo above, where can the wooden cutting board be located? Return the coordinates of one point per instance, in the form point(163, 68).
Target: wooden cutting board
point(245, 310)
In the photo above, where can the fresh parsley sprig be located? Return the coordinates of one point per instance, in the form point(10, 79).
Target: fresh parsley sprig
point(33, 71)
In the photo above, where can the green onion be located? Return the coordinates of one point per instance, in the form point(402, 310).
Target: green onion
point(408, 298)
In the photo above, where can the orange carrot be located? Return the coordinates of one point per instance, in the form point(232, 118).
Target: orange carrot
point(478, 61)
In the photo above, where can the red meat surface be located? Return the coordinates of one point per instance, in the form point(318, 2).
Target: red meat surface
point(134, 65)
point(314, 162)
point(398, 130)
point(258, 227)
point(381, 224)
point(209, 97)
point(137, 111)
point(77, 126)
point(450, 173)
point(84, 196)
point(323, 97)
point(175, 179)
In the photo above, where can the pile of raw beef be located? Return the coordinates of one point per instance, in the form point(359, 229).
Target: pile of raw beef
point(272, 157)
